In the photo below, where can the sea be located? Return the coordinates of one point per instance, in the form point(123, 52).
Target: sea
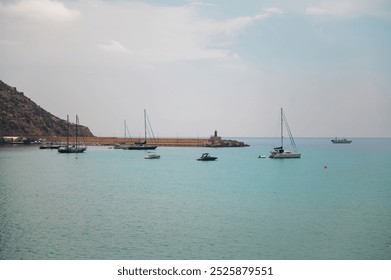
point(332, 204)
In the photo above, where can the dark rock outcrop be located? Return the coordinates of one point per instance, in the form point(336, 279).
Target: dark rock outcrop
point(20, 116)
point(215, 141)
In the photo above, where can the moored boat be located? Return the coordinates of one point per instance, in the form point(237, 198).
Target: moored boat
point(143, 145)
point(52, 146)
point(71, 149)
point(123, 146)
point(74, 148)
point(280, 152)
point(206, 157)
point(342, 140)
point(152, 156)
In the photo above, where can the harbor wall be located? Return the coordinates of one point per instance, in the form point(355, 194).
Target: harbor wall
point(111, 141)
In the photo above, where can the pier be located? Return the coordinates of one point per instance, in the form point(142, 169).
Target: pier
point(163, 142)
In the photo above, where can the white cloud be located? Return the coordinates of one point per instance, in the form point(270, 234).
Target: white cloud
point(114, 46)
point(234, 25)
point(40, 11)
point(201, 3)
point(314, 11)
point(154, 34)
point(273, 10)
point(123, 56)
point(348, 8)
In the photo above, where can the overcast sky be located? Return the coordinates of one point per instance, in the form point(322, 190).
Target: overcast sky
point(197, 66)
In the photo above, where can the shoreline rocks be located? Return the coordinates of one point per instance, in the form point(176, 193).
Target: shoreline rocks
point(216, 141)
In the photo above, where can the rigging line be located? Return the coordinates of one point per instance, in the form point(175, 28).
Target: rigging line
point(290, 133)
point(127, 131)
point(149, 127)
point(77, 123)
point(79, 131)
point(150, 133)
point(276, 128)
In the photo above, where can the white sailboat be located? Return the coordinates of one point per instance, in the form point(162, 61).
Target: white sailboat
point(123, 146)
point(280, 152)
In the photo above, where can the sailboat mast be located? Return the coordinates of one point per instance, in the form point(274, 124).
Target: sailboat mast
point(282, 130)
point(77, 122)
point(67, 131)
point(145, 125)
point(125, 129)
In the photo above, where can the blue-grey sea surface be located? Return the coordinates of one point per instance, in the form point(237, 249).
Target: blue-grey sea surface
point(333, 203)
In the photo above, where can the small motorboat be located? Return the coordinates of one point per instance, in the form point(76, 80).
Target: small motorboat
point(152, 156)
point(206, 157)
point(261, 156)
point(52, 146)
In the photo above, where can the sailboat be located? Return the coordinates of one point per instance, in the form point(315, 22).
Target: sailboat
point(143, 144)
point(123, 146)
point(279, 152)
point(75, 148)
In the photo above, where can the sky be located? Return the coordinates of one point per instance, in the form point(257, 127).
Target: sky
point(200, 66)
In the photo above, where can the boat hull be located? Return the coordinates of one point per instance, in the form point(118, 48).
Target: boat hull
point(206, 157)
point(53, 147)
point(71, 150)
point(284, 155)
point(341, 141)
point(152, 157)
point(143, 147)
point(118, 147)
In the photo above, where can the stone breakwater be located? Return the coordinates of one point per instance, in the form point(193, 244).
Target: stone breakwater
point(163, 142)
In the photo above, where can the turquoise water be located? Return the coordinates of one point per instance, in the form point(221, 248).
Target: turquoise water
point(114, 204)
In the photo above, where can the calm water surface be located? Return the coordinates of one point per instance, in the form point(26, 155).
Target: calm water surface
point(114, 204)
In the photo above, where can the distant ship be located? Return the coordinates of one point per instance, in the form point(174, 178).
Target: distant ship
point(341, 140)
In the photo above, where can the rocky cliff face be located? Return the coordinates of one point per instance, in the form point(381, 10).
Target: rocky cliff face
point(19, 116)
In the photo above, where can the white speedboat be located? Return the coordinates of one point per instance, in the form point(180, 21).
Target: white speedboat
point(152, 156)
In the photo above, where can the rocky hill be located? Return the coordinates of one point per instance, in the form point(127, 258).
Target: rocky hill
point(20, 116)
